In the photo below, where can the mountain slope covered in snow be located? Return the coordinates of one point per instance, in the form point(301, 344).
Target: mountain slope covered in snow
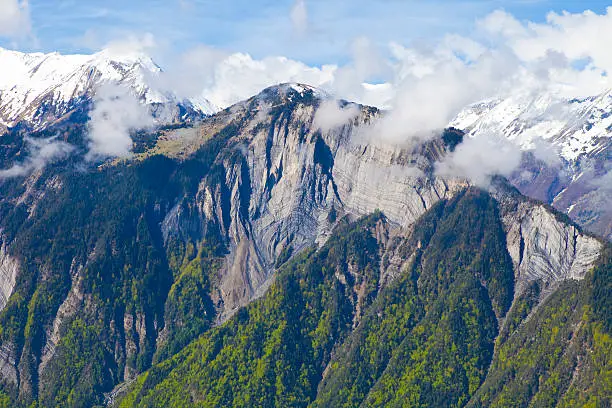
point(578, 127)
point(38, 88)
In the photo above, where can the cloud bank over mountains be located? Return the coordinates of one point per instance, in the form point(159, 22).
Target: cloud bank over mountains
point(41, 153)
point(424, 84)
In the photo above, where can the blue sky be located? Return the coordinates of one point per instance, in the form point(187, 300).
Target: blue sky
point(263, 27)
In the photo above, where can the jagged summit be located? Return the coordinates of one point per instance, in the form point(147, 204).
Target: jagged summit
point(287, 92)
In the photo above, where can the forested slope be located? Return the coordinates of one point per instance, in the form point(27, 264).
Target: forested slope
point(445, 332)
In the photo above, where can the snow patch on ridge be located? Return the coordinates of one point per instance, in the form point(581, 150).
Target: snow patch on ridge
point(578, 127)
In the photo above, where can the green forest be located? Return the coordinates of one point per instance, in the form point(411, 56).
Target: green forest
point(430, 338)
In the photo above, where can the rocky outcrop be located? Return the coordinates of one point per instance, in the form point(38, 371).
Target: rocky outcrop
point(8, 368)
point(9, 268)
point(71, 305)
point(544, 245)
point(575, 178)
point(135, 331)
point(286, 177)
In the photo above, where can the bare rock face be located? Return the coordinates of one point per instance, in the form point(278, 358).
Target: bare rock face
point(135, 329)
point(390, 179)
point(8, 370)
point(292, 179)
point(543, 244)
point(71, 306)
point(289, 181)
point(9, 267)
point(580, 188)
point(578, 181)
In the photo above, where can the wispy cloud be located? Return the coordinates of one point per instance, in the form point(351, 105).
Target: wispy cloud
point(15, 19)
point(480, 158)
point(41, 153)
point(423, 83)
point(225, 78)
point(332, 114)
point(116, 112)
point(264, 28)
point(299, 17)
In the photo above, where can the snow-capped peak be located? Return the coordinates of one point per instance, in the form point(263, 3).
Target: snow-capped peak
point(36, 87)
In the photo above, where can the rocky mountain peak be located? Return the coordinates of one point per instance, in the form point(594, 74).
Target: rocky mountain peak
point(284, 94)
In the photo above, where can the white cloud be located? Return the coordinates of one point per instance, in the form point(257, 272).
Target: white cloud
point(225, 78)
point(299, 17)
point(580, 37)
point(563, 58)
point(238, 76)
point(547, 152)
point(502, 23)
point(15, 18)
point(188, 75)
point(118, 43)
point(116, 112)
point(464, 47)
point(331, 114)
point(367, 63)
point(432, 86)
point(604, 182)
point(130, 45)
point(480, 158)
point(42, 152)
point(425, 86)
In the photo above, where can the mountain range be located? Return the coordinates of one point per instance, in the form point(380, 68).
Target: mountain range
point(251, 257)
point(38, 89)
